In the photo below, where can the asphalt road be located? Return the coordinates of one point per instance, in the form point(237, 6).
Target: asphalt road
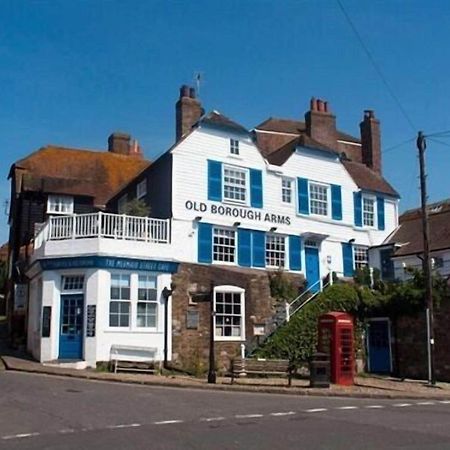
point(40, 412)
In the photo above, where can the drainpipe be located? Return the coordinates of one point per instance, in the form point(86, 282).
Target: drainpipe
point(166, 293)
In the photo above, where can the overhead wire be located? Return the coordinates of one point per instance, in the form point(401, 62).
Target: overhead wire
point(375, 65)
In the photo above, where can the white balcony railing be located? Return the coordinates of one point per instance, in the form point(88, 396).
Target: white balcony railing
point(104, 225)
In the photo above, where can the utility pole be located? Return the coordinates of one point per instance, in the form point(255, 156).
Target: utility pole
point(426, 262)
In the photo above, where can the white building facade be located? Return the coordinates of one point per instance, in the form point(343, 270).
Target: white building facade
point(225, 213)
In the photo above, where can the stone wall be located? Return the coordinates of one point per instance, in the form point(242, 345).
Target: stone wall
point(410, 352)
point(194, 282)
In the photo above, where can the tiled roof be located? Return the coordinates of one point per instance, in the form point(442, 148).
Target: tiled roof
point(215, 118)
point(409, 232)
point(367, 179)
point(295, 127)
point(63, 170)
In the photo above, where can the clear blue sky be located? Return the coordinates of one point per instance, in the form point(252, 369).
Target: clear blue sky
point(73, 71)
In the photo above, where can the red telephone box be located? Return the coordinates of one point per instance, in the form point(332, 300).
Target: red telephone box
point(336, 339)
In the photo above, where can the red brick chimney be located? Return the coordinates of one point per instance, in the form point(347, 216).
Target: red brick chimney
point(321, 124)
point(122, 144)
point(188, 111)
point(371, 141)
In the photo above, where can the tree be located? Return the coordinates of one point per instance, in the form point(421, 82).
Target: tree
point(137, 207)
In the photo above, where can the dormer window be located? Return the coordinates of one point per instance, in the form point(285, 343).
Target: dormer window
point(234, 147)
point(60, 204)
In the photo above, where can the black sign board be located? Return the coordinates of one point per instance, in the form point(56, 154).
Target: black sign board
point(192, 320)
point(200, 297)
point(90, 322)
point(46, 321)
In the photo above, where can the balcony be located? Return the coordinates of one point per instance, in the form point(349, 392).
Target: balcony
point(103, 233)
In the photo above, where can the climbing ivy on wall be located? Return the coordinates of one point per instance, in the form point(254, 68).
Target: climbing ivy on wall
point(297, 339)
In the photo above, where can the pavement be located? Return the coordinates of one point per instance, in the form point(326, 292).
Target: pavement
point(48, 412)
point(364, 387)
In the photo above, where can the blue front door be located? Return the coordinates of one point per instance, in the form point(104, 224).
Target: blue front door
point(379, 348)
point(312, 268)
point(71, 327)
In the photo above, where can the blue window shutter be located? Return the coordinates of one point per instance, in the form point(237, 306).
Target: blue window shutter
point(303, 196)
point(336, 202)
point(259, 248)
point(380, 213)
point(256, 188)
point(214, 180)
point(244, 247)
point(347, 254)
point(295, 255)
point(205, 243)
point(357, 204)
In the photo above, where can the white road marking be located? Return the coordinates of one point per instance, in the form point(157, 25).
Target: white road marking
point(20, 436)
point(444, 402)
point(212, 419)
point(287, 413)
point(374, 406)
point(401, 405)
point(66, 431)
point(425, 403)
point(315, 410)
point(167, 422)
point(125, 425)
point(248, 416)
point(347, 407)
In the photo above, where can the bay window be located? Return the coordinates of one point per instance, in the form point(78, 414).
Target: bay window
point(147, 304)
point(120, 299)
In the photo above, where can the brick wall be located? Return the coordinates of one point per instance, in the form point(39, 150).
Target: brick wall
point(410, 350)
point(190, 347)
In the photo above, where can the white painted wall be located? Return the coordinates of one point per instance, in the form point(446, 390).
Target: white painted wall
point(96, 292)
point(190, 184)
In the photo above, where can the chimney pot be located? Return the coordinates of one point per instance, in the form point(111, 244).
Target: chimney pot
point(184, 91)
point(321, 124)
point(188, 111)
point(320, 107)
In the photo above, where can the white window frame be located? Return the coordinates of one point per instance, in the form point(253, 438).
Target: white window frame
point(286, 191)
point(216, 234)
point(60, 204)
point(234, 147)
point(147, 301)
point(272, 254)
point(120, 300)
point(234, 290)
point(361, 263)
point(121, 203)
point(75, 283)
point(327, 190)
point(373, 199)
point(243, 171)
point(141, 189)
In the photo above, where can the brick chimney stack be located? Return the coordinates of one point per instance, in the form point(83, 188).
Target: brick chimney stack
point(321, 124)
point(371, 141)
point(122, 144)
point(188, 111)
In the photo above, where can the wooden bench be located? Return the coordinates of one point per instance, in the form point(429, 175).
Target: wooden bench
point(133, 358)
point(252, 366)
